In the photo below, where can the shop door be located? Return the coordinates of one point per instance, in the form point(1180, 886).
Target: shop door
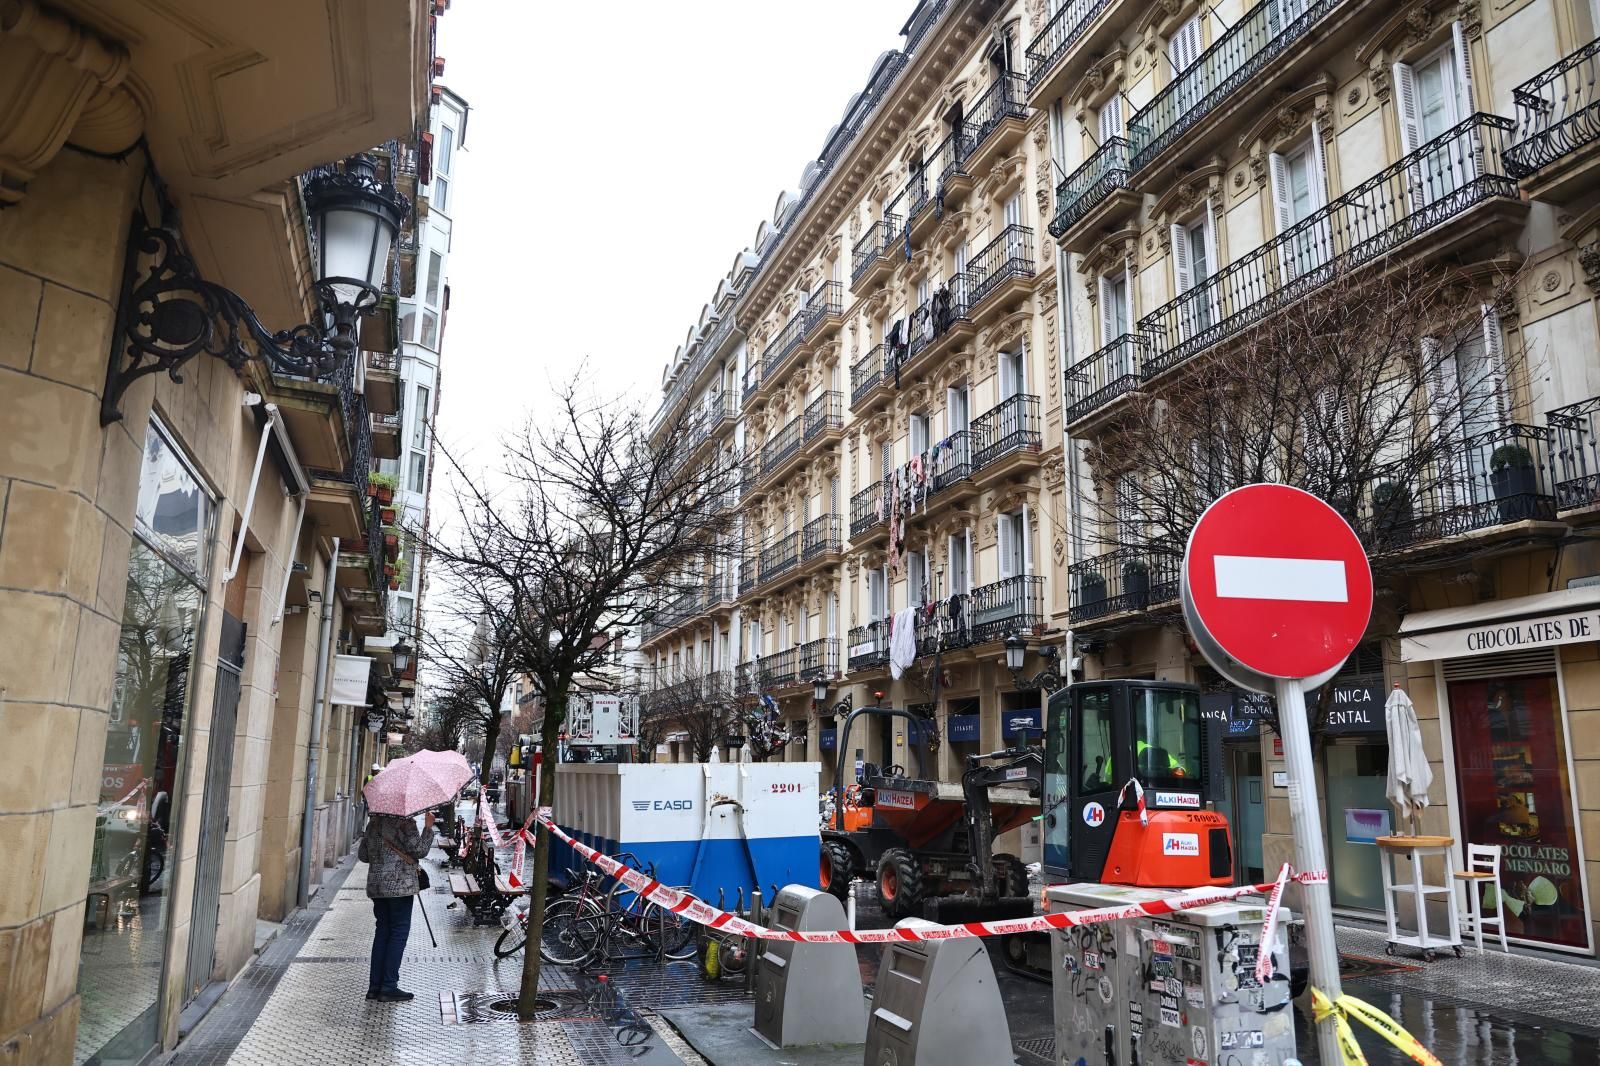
point(1510, 747)
point(214, 810)
point(1248, 813)
point(1357, 814)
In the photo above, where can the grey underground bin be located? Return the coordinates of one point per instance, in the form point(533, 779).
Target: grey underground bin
point(937, 1004)
point(808, 993)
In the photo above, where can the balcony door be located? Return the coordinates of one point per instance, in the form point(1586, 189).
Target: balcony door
point(1434, 96)
point(917, 442)
point(1111, 119)
point(1194, 260)
point(958, 410)
point(1467, 400)
point(1013, 374)
point(1299, 190)
point(1013, 223)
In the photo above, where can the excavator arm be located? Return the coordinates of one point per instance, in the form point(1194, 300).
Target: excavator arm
point(1011, 767)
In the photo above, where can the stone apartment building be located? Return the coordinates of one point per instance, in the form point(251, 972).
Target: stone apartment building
point(190, 562)
point(1034, 214)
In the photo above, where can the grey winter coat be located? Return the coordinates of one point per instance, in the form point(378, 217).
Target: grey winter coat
point(389, 874)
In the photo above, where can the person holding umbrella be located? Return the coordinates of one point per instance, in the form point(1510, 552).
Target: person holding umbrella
point(392, 847)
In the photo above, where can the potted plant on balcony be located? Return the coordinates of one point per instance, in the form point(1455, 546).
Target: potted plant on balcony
point(397, 571)
point(1391, 510)
point(1092, 589)
point(1512, 474)
point(386, 515)
point(1136, 584)
point(391, 542)
point(381, 487)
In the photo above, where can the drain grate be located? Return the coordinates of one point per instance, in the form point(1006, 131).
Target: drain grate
point(1042, 1048)
point(470, 1008)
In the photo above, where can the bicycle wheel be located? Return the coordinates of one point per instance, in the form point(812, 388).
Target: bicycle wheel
point(573, 931)
point(513, 940)
point(672, 935)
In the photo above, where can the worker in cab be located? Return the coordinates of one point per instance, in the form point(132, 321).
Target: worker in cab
point(1174, 767)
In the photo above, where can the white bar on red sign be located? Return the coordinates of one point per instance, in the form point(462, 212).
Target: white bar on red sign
point(1251, 577)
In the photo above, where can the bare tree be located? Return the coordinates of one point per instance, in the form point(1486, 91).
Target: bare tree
point(1381, 391)
point(596, 520)
point(469, 648)
point(698, 703)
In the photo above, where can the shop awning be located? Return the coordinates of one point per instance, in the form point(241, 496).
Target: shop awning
point(676, 738)
point(1566, 616)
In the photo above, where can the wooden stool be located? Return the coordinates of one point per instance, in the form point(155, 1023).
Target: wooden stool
point(1483, 865)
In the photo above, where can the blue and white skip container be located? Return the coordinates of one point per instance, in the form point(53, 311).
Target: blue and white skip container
point(705, 826)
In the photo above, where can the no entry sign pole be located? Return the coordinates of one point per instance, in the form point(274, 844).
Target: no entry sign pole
point(1277, 592)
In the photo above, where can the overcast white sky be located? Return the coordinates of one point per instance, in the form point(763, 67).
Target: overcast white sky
point(614, 165)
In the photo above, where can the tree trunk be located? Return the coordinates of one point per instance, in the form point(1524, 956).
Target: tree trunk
point(491, 742)
point(550, 734)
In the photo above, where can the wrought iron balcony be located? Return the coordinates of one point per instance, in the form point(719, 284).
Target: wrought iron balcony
point(1012, 425)
point(1001, 608)
point(780, 446)
point(1488, 479)
point(1452, 173)
point(666, 698)
point(1088, 187)
point(775, 671)
point(718, 412)
point(818, 657)
point(948, 162)
point(819, 537)
point(866, 508)
point(866, 374)
point(685, 607)
point(749, 573)
point(949, 461)
point(1558, 112)
point(869, 645)
point(1575, 430)
point(1108, 373)
point(936, 316)
point(752, 379)
point(944, 625)
point(1052, 42)
point(875, 246)
point(785, 344)
point(779, 557)
point(1257, 39)
point(1010, 255)
point(750, 476)
point(1006, 98)
point(357, 435)
point(1126, 579)
point(822, 414)
point(827, 302)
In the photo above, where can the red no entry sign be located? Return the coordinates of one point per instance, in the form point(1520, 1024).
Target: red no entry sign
point(1277, 581)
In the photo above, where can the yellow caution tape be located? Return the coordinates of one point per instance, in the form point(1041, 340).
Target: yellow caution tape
point(1346, 1007)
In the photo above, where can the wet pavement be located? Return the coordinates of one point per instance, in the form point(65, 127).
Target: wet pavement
point(303, 1001)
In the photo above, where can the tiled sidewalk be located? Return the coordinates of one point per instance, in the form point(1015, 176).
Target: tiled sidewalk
point(304, 1000)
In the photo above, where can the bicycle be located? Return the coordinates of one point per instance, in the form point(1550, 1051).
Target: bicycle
point(556, 944)
point(582, 926)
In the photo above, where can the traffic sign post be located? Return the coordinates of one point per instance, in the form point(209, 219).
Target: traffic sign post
point(1277, 592)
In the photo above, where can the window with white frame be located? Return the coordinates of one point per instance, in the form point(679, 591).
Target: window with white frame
point(1432, 97)
point(1013, 370)
point(877, 595)
point(957, 409)
point(419, 415)
point(917, 583)
point(1016, 556)
point(917, 438)
point(960, 548)
point(1194, 259)
point(1299, 190)
point(1116, 310)
point(1111, 118)
point(1184, 46)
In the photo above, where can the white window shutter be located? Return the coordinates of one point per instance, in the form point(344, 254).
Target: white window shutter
point(1180, 260)
point(1494, 353)
point(1007, 563)
point(1111, 119)
point(1442, 387)
point(1282, 210)
point(1405, 89)
point(1008, 376)
point(966, 548)
point(1110, 328)
point(1027, 542)
point(1127, 281)
point(1463, 52)
point(1320, 191)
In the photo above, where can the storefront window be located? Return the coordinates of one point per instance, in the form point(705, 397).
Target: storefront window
point(130, 875)
point(1511, 759)
point(1358, 813)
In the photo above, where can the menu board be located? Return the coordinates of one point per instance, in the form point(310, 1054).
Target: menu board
point(1511, 759)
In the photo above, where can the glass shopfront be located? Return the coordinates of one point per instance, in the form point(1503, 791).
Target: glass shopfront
point(1511, 777)
point(131, 876)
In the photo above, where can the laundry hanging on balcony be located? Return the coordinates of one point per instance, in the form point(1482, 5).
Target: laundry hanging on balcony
point(902, 642)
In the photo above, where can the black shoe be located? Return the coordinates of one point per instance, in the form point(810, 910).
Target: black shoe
point(373, 993)
point(395, 996)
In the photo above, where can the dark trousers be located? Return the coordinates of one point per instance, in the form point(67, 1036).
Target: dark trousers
point(393, 916)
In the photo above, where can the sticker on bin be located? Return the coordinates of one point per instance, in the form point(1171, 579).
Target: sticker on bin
point(1190, 800)
point(1180, 844)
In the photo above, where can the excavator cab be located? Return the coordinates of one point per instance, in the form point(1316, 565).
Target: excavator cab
point(1099, 737)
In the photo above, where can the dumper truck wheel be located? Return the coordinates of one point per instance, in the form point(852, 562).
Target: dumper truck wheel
point(1010, 876)
point(836, 868)
point(899, 883)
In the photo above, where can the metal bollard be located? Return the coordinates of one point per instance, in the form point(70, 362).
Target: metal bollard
point(738, 903)
point(756, 914)
point(850, 907)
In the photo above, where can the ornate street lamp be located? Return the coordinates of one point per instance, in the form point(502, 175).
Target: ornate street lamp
point(402, 656)
point(1048, 679)
point(819, 689)
point(168, 313)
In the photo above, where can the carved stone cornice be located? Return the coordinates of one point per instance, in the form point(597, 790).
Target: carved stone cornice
point(1191, 190)
point(61, 82)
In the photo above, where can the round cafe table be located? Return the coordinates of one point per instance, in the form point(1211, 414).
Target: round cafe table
point(1416, 849)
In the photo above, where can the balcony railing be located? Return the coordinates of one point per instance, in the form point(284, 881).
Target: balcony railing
point(1010, 255)
point(827, 301)
point(721, 590)
point(358, 435)
point(1064, 27)
point(818, 657)
point(1087, 187)
point(683, 608)
point(819, 536)
point(869, 645)
point(1122, 580)
point(773, 671)
point(752, 379)
point(949, 159)
point(780, 446)
point(1006, 98)
point(866, 374)
point(1483, 480)
point(785, 344)
point(779, 557)
point(1558, 112)
point(877, 242)
point(1012, 425)
point(866, 508)
point(1258, 38)
point(1575, 429)
point(687, 694)
point(935, 316)
point(1450, 174)
point(1105, 375)
point(949, 461)
point(996, 610)
point(749, 572)
point(822, 414)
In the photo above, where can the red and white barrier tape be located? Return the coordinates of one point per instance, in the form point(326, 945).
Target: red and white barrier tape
point(1138, 796)
point(486, 818)
point(702, 913)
